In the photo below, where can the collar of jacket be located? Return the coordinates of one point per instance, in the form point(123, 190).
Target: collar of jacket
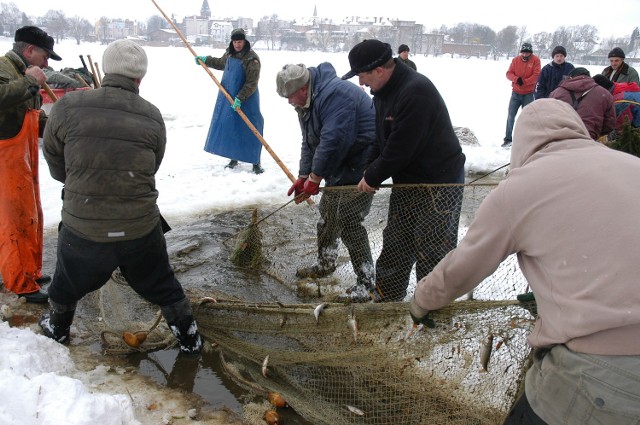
point(18, 61)
point(400, 73)
point(121, 82)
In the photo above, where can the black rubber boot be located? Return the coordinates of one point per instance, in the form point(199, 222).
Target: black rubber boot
point(56, 322)
point(183, 326)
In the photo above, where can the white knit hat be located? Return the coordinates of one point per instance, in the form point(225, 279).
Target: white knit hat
point(125, 57)
point(291, 78)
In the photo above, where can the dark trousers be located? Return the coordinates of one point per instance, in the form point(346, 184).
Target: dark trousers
point(84, 266)
point(422, 227)
point(523, 414)
point(342, 212)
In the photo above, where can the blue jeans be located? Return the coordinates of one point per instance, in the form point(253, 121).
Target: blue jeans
point(516, 101)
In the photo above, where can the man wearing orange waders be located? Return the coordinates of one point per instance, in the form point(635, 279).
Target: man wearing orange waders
point(21, 121)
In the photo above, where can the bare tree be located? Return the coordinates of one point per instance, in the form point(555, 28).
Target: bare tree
point(56, 24)
point(11, 18)
point(544, 43)
point(79, 28)
point(522, 37)
point(506, 39)
point(156, 22)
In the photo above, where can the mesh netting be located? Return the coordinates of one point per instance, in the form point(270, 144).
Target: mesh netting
point(467, 370)
point(125, 321)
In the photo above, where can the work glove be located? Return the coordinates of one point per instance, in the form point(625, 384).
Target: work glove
point(419, 315)
point(519, 81)
point(200, 58)
point(237, 104)
point(298, 186)
point(309, 189)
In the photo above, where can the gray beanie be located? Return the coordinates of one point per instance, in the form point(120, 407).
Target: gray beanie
point(125, 57)
point(291, 78)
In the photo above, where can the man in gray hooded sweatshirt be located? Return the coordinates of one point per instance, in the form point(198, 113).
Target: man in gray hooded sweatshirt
point(568, 210)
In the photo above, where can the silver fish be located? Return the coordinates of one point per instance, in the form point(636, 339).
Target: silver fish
point(353, 325)
point(485, 351)
point(265, 363)
point(355, 410)
point(318, 310)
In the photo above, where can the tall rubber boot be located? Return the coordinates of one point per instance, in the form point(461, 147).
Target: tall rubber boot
point(56, 322)
point(180, 319)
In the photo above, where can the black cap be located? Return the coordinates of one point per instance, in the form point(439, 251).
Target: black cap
point(238, 34)
point(559, 49)
point(366, 56)
point(526, 47)
point(403, 48)
point(603, 81)
point(616, 52)
point(39, 38)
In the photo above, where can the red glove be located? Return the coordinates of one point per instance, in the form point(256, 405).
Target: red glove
point(297, 187)
point(311, 187)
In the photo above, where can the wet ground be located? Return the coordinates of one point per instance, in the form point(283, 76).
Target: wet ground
point(199, 247)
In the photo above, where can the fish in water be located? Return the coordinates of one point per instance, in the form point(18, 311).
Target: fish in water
point(485, 351)
point(318, 311)
point(265, 364)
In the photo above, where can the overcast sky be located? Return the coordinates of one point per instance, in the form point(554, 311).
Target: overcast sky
point(541, 15)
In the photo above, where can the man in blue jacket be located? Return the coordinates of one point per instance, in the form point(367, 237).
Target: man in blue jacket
point(338, 131)
point(416, 144)
point(553, 73)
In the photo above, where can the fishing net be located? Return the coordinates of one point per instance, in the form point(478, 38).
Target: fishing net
point(125, 321)
point(364, 362)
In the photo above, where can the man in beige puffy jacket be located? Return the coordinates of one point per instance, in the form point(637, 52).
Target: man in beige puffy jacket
point(569, 210)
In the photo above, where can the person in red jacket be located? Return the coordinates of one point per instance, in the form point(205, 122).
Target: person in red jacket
point(523, 74)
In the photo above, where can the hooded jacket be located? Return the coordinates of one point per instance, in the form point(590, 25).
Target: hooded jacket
point(568, 208)
point(338, 128)
point(593, 103)
point(106, 146)
point(416, 142)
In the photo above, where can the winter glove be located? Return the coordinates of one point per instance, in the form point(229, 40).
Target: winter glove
point(519, 81)
point(237, 104)
point(419, 315)
point(298, 186)
point(309, 189)
point(200, 58)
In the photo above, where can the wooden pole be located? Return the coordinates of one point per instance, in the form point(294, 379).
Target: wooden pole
point(50, 92)
point(230, 99)
point(93, 71)
point(99, 74)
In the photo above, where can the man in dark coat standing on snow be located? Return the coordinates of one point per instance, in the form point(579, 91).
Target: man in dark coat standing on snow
point(106, 146)
point(337, 120)
point(552, 73)
point(416, 144)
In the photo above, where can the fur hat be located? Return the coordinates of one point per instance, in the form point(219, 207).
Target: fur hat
point(367, 55)
point(38, 38)
point(616, 52)
point(291, 78)
point(603, 81)
point(526, 47)
point(125, 57)
point(238, 34)
point(559, 49)
point(576, 72)
point(403, 48)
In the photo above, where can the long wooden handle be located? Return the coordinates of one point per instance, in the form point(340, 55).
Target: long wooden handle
point(230, 99)
point(50, 92)
point(93, 71)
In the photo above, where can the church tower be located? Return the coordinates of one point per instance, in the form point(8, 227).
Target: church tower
point(205, 12)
